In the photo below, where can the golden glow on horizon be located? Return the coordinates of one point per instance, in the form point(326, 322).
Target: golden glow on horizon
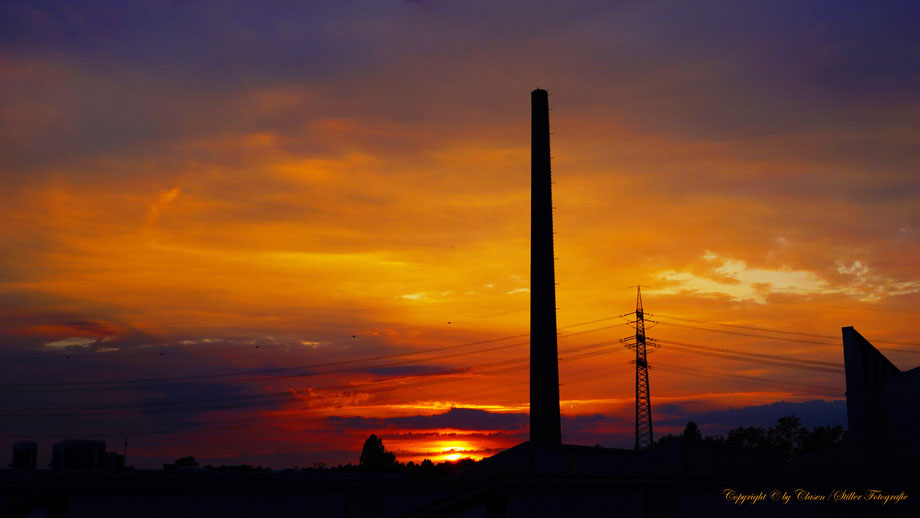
point(453, 450)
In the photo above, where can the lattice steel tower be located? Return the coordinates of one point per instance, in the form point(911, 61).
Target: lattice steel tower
point(641, 344)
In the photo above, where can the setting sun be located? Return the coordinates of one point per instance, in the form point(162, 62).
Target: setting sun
point(455, 450)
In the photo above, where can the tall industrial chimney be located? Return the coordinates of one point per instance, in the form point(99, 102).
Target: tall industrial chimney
point(545, 423)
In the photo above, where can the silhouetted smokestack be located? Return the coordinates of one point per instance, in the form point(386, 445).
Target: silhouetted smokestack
point(544, 365)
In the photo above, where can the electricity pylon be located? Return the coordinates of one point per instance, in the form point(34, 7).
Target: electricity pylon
point(641, 344)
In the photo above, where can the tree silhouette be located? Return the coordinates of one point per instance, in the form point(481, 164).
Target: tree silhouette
point(181, 463)
point(788, 437)
point(822, 436)
point(374, 456)
point(748, 437)
point(186, 461)
point(692, 432)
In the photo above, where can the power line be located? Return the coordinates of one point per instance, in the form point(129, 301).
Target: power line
point(242, 423)
point(341, 340)
point(91, 351)
point(691, 371)
point(858, 308)
point(248, 377)
point(229, 402)
point(281, 372)
point(748, 357)
point(764, 355)
point(769, 330)
point(793, 340)
point(739, 333)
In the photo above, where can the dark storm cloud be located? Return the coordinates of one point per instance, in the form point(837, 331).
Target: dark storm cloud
point(458, 418)
point(341, 424)
point(172, 402)
point(464, 419)
point(578, 429)
point(446, 435)
point(27, 328)
point(812, 413)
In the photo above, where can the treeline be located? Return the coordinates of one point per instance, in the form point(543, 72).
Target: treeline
point(788, 437)
point(189, 463)
point(374, 459)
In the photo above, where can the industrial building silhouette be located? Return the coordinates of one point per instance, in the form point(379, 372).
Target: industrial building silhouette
point(25, 455)
point(543, 476)
point(883, 407)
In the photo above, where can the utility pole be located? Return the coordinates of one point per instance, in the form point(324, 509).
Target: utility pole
point(640, 343)
point(124, 458)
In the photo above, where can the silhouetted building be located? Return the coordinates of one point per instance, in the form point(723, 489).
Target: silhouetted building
point(84, 456)
point(114, 460)
point(25, 454)
point(545, 422)
point(883, 406)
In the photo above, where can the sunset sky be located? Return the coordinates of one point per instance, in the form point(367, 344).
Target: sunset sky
point(260, 231)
